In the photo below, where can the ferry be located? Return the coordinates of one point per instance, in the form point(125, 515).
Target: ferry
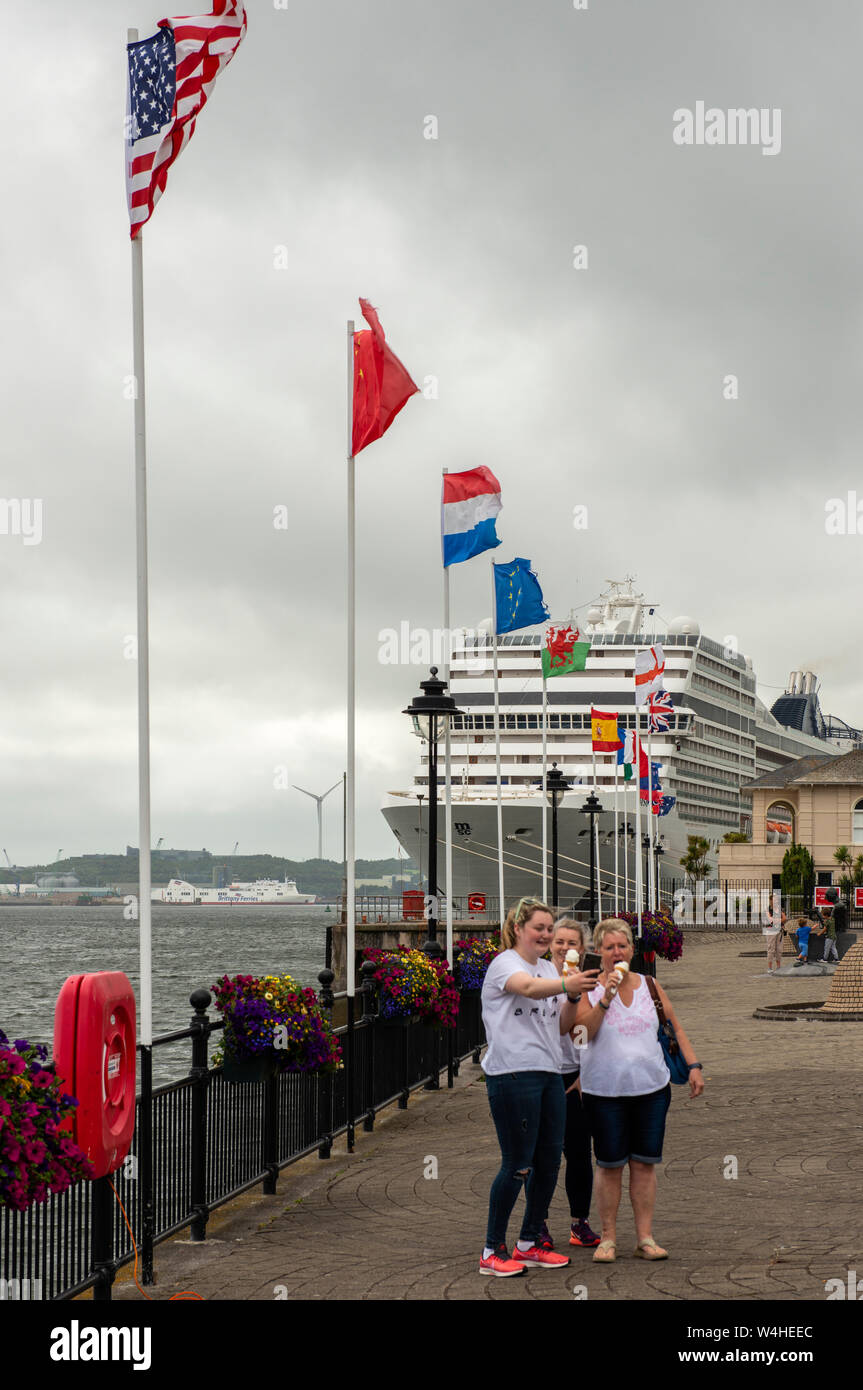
point(720, 736)
point(265, 892)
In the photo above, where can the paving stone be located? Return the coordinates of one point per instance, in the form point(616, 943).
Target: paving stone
point(783, 1099)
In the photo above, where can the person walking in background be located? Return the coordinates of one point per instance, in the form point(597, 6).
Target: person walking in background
point(773, 932)
point(521, 1013)
point(626, 1087)
point(578, 1172)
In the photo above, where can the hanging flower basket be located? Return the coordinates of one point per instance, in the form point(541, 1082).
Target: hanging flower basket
point(660, 934)
point(37, 1156)
point(476, 955)
point(272, 1025)
point(410, 983)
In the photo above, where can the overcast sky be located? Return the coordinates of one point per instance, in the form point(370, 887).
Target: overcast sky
point(601, 386)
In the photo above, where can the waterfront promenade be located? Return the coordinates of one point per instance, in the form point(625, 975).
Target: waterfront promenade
point(783, 1107)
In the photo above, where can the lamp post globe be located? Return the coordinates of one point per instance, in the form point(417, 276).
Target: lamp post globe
point(429, 712)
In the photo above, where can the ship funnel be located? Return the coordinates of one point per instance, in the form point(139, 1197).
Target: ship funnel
point(792, 682)
point(808, 683)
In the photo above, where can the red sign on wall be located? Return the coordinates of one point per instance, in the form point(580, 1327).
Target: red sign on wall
point(858, 897)
point(821, 899)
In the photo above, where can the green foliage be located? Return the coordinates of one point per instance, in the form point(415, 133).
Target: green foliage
point(321, 876)
point(694, 861)
point(798, 868)
point(735, 837)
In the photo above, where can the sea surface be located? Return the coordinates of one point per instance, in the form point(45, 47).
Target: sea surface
point(192, 946)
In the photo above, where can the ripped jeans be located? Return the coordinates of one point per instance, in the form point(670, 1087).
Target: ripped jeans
point(529, 1113)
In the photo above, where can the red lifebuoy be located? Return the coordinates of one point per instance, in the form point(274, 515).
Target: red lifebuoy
point(94, 1052)
point(476, 902)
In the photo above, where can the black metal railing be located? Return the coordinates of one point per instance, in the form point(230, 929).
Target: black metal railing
point(202, 1140)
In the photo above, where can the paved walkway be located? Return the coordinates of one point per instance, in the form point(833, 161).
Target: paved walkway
point(783, 1105)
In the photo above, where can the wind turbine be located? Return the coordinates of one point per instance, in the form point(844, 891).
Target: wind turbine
point(319, 800)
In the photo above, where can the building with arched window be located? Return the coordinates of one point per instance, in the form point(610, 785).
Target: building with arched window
point(815, 801)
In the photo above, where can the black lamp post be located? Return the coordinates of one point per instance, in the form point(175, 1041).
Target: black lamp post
point(429, 712)
point(592, 807)
point(658, 852)
point(556, 785)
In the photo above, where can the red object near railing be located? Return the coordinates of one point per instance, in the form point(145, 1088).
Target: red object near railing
point(94, 1052)
point(476, 902)
point(413, 902)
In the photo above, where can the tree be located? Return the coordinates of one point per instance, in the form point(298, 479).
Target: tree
point(735, 837)
point(694, 861)
point(844, 859)
point(798, 869)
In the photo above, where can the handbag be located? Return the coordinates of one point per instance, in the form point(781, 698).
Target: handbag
point(678, 1068)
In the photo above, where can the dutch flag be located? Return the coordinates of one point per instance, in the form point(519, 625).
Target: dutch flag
point(471, 501)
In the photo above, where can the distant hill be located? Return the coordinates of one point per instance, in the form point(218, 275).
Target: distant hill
point(321, 876)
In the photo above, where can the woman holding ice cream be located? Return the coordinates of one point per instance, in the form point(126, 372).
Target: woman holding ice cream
point(625, 1086)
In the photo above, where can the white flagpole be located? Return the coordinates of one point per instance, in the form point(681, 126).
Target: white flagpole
point(143, 641)
point(350, 783)
point(497, 752)
point(447, 650)
point(598, 872)
point(651, 861)
point(625, 849)
point(639, 886)
point(616, 841)
point(544, 797)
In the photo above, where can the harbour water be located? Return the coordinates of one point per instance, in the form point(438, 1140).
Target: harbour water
point(192, 947)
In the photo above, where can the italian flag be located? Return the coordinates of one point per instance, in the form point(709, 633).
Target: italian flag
point(563, 651)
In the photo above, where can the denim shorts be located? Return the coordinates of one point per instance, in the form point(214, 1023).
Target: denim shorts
point(625, 1127)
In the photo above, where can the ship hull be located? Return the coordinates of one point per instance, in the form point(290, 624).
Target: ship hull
point(475, 861)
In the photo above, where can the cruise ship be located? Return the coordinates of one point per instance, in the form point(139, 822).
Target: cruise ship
point(267, 892)
point(720, 736)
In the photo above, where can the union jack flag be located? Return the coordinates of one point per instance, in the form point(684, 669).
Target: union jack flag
point(658, 711)
point(170, 77)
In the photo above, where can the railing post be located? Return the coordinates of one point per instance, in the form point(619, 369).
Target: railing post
point(145, 1166)
point(369, 991)
point(102, 1248)
point(200, 1001)
point(270, 1136)
point(325, 979)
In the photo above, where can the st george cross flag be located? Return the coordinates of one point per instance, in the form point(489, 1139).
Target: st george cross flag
point(563, 651)
point(518, 597)
point(603, 730)
point(649, 670)
point(171, 76)
point(471, 501)
point(381, 384)
point(659, 710)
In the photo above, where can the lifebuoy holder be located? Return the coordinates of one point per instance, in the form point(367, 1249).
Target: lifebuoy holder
point(94, 1052)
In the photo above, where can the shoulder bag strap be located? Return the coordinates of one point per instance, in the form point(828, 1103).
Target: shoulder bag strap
point(654, 994)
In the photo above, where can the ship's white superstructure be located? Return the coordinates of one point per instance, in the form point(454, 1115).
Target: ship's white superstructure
point(720, 736)
point(264, 892)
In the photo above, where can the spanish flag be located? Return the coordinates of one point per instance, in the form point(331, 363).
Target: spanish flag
point(603, 728)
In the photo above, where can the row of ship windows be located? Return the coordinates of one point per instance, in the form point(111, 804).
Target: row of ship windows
point(712, 731)
point(680, 722)
point(722, 692)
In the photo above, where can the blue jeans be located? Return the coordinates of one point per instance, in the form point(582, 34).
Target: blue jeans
point(529, 1113)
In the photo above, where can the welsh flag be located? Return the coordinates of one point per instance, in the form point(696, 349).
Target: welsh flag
point(563, 651)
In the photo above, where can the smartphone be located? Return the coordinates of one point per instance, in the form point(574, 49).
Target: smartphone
point(592, 962)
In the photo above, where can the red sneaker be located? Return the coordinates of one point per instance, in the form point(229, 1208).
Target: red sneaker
point(548, 1259)
point(500, 1265)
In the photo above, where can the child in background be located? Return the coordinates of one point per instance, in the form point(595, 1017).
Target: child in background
point(804, 927)
point(828, 931)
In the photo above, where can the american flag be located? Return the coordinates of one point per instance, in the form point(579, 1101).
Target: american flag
point(658, 711)
point(171, 76)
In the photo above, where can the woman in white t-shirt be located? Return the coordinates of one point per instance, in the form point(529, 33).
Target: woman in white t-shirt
point(521, 1012)
point(626, 1087)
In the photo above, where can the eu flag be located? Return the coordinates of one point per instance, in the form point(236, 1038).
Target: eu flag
point(518, 597)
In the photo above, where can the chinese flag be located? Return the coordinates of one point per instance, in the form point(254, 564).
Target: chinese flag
point(381, 384)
